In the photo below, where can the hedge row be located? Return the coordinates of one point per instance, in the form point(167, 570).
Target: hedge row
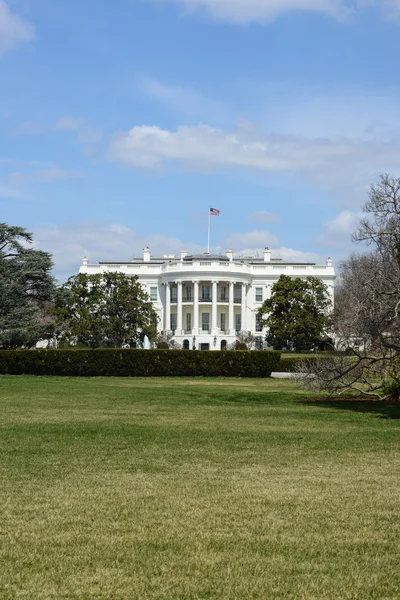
point(138, 363)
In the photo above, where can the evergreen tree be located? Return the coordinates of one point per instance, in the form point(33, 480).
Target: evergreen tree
point(110, 309)
point(26, 286)
point(296, 314)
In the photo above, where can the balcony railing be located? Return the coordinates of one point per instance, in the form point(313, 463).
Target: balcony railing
point(206, 299)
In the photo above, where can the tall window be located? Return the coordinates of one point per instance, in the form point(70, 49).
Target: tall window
point(238, 322)
point(223, 293)
point(223, 321)
point(173, 321)
point(188, 293)
point(153, 294)
point(205, 292)
point(188, 321)
point(205, 321)
point(174, 294)
point(238, 293)
point(259, 294)
point(258, 322)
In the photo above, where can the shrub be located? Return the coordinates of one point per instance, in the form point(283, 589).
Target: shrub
point(163, 345)
point(392, 390)
point(240, 346)
point(138, 363)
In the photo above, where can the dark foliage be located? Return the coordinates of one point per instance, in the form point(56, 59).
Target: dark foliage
point(138, 363)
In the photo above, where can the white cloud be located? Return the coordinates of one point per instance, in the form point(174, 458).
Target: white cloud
point(243, 11)
point(86, 133)
point(331, 161)
point(292, 255)
point(183, 99)
point(70, 242)
point(263, 216)
point(68, 123)
point(29, 128)
point(250, 240)
point(337, 232)
point(13, 29)
point(42, 176)
point(9, 192)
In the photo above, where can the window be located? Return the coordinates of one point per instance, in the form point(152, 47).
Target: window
point(238, 321)
point(188, 294)
point(238, 293)
point(185, 345)
point(258, 322)
point(174, 294)
point(205, 321)
point(223, 344)
point(259, 294)
point(173, 321)
point(188, 321)
point(223, 293)
point(153, 294)
point(223, 321)
point(205, 292)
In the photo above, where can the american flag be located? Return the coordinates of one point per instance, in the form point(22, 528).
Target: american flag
point(214, 211)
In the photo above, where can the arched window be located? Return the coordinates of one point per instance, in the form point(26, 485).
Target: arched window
point(186, 344)
point(223, 345)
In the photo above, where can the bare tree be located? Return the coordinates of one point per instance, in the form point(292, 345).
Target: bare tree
point(366, 320)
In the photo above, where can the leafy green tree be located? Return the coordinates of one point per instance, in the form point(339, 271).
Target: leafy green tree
point(110, 309)
point(296, 314)
point(26, 287)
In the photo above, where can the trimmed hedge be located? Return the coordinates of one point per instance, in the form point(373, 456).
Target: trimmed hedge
point(138, 363)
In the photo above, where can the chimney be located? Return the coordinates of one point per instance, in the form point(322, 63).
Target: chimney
point(229, 254)
point(146, 254)
point(183, 254)
point(267, 255)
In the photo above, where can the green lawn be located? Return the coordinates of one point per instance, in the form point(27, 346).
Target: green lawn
point(115, 489)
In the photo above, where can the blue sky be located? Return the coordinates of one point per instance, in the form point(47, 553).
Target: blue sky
point(120, 123)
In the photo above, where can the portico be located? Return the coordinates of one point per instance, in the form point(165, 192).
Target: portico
point(213, 307)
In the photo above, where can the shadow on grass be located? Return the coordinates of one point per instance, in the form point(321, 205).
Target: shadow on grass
point(383, 410)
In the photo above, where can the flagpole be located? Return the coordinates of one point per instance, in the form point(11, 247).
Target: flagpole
point(209, 226)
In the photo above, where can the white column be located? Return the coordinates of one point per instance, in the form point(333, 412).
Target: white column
point(231, 324)
point(214, 324)
point(243, 319)
point(179, 309)
point(196, 308)
point(167, 307)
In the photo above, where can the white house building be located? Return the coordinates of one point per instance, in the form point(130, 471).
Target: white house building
point(206, 299)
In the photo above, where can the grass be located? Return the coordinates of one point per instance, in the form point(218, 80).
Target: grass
point(115, 489)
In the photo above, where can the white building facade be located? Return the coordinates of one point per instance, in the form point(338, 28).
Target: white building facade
point(206, 300)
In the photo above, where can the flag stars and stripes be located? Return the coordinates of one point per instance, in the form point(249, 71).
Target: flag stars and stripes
point(214, 211)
